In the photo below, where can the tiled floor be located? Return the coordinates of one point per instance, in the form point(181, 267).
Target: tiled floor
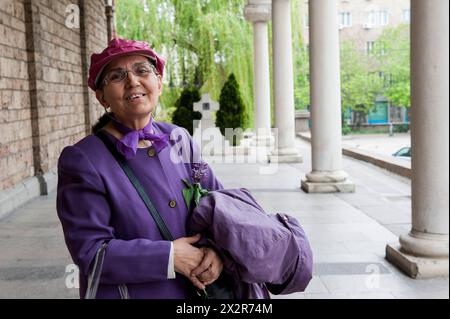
point(348, 234)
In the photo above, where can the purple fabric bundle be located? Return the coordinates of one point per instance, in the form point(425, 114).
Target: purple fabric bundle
point(257, 248)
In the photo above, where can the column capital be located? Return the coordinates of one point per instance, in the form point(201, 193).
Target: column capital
point(258, 12)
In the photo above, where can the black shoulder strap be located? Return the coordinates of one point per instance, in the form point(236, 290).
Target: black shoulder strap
point(133, 179)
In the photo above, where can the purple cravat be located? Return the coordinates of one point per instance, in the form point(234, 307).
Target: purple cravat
point(127, 145)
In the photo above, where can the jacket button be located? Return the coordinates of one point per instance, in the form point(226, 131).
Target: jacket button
point(151, 152)
point(172, 203)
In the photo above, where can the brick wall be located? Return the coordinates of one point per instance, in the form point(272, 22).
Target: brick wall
point(16, 151)
point(44, 100)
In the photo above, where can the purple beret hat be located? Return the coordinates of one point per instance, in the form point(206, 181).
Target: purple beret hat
point(116, 48)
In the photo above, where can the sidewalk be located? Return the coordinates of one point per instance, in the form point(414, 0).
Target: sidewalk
point(382, 144)
point(33, 255)
point(348, 234)
point(376, 149)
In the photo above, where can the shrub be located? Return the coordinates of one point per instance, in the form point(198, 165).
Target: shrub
point(401, 128)
point(230, 114)
point(184, 114)
point(346, 129)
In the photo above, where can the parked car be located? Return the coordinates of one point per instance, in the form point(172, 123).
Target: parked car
point(404, 153)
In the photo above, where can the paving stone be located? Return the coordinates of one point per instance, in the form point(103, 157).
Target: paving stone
point(348, 234)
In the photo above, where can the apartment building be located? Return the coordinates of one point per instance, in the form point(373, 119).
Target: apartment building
point(362, 22)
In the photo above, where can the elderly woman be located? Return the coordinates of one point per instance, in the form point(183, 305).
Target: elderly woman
point(97, 204)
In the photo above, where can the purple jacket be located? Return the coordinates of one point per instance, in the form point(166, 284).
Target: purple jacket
point(258, 249)
point(96, 202)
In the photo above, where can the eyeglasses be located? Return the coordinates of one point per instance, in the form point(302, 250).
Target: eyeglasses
point(141, 70)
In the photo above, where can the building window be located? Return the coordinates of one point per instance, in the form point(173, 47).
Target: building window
point(370, 46)
point(384, 17)
point(345, 20)
point(384, 78)
point(382, 48)
point(407, 16)
point(370, 20)
point(376, 18)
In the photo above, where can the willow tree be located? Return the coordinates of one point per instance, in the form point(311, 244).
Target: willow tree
point(202, 40)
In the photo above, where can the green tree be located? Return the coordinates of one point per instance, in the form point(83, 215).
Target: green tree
point(393, 54)
point(184, 114)
point(231, 107)
point(300, 56)
point(202, 40)
point(360, 81)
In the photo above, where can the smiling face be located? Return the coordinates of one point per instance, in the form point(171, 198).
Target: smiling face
point(133, 99)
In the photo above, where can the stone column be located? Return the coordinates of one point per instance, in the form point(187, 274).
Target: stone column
point(259, 13)
point(283, 82)
point(37, 91)
point(88, 98)
point(110, 19)
point(424, 251)
point(327, 175)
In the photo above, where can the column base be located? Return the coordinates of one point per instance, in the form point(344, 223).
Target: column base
point(333, 181)
point(328, 187)
point(427, 245)
point(416, 267)
point(286, 155)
